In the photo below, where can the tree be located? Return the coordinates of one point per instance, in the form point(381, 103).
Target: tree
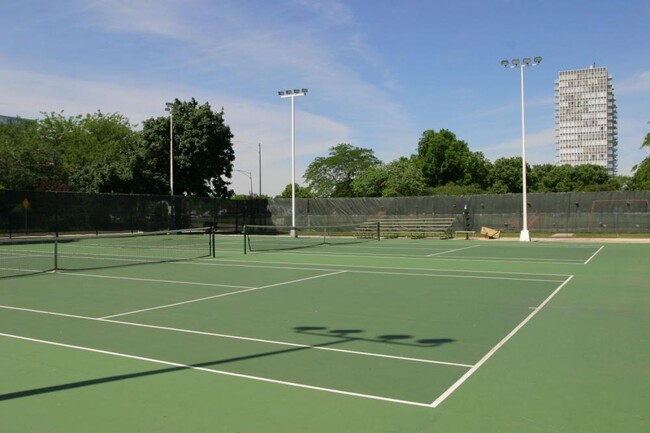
point(26, 162)
point(91, 153)
point(404, 178)
point(444, 158)
point(370, 182)
point(97, 150)
point(301, 191)
point(202, 149)
point(399, 178)
point(565, 178)
point(541, 178)
point(507, 176)
point(641, 177)
point(332, 176)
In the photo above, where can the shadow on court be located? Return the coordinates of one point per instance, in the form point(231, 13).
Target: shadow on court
point(342, 336)
point(353, 335)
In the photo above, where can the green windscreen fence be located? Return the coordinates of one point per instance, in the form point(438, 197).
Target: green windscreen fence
point(28, 213)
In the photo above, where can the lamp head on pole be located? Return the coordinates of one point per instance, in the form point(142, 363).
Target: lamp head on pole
point(516, 63)
point(289, 93)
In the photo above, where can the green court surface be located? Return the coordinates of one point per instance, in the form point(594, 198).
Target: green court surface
point(396, 335)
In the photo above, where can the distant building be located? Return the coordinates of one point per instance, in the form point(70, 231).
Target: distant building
point(585, 118)
point(7, 120)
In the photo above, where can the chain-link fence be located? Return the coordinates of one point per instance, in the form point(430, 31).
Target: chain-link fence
point(36, 213)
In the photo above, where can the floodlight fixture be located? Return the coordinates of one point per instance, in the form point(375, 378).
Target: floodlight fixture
point(538, 60)
point(526, 61)
point(504, 63)
point(515, 62)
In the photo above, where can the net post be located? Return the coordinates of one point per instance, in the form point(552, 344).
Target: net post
point(378, 231)
point(213, 242)
point(56, 252)
point(244, 233)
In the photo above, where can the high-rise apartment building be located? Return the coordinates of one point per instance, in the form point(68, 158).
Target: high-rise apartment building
point(585, 118)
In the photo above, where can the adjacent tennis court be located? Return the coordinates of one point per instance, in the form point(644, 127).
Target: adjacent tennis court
point(188, 333)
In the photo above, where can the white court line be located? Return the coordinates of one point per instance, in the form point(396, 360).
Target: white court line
point(222, 295)
point(403, 257)
point(237, 337)
point(594, 254)
point(500, 344)
point(452, 251)
point(152, 280)
point(221, 372)
point(406, 274)
point(350, 268)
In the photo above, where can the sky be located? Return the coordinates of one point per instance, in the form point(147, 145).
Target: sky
point(379, 72)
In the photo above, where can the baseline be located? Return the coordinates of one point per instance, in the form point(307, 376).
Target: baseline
point(215, 371)
point(239, 337)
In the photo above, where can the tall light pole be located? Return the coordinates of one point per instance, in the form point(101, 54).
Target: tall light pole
point(293, 94)
point(170, 108)
point(259, 162)
point(250, 177)
point(524, 236)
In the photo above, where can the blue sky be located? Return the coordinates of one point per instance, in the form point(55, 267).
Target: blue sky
point(379, 72)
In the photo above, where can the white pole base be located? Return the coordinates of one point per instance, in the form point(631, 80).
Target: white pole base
point(292, 233)
point(524, 236)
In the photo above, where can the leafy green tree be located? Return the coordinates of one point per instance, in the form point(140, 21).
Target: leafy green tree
point(444, 158)
point(370, 182)
point(565, 178)
point(641, 176)
point(404, 179)
point(26, 161)
point(541, 178)
point(507, 176)
point(478, 171)
point(97, 150)
point(589, 177)
point(202, 150)
point(452, 189)
point(332, 176)
point(91, 153)
point(301, 191)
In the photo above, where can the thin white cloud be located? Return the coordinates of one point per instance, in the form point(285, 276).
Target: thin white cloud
point(158, 17)
point(333, 10)
point(639, 83)
point(540, 147)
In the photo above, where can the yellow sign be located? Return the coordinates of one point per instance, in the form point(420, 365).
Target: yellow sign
point(25, 203)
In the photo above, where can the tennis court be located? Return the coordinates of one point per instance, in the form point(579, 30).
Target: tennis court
point(376, 336)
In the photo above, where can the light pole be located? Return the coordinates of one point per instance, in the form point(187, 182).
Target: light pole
point(170, 107)
point(259, 162)
point(293, 94)
point(524, 236)
point(250, 177)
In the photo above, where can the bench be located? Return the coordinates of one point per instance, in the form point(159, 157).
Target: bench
point(415, 228)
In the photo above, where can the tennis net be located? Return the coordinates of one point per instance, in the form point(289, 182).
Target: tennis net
point(271, 238)
point(34, 255)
